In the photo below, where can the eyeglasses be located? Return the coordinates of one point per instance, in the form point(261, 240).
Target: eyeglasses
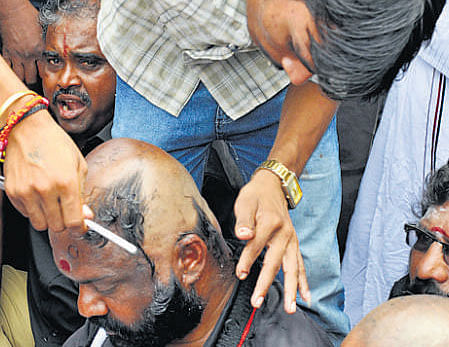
point(421, 239)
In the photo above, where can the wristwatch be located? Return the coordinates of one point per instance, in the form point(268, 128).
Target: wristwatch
point(290, 184)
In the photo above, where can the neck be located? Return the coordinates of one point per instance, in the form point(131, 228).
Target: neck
point(216, 303)
point(80, 141)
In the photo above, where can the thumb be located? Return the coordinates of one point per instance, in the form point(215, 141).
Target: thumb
point(245, 215)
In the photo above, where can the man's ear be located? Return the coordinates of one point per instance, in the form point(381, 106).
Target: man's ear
point(190, 259)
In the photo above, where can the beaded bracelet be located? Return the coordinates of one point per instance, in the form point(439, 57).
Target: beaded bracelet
point(13, 98)
point(31, 107)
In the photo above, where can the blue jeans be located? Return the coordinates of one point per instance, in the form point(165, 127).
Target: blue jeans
point(250, 138)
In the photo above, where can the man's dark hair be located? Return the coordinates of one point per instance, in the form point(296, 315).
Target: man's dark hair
point(366, 42)
point(54, 10)
point(122, 208)
point(436, 191)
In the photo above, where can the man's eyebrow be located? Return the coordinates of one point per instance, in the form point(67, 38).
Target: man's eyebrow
point(92, 280)
point(91, 56)
point(50, 54)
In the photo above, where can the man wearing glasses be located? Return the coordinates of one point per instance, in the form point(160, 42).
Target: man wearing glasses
point(429, 242)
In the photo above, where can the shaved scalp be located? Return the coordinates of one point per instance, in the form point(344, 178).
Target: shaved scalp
point(144, 192)
point(416, 320)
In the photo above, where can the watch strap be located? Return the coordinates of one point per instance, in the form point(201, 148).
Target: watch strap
point(290, 184)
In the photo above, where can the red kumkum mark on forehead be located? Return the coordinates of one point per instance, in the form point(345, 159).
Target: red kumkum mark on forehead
point(440, 230)
point(65, 46)
point(65, 265)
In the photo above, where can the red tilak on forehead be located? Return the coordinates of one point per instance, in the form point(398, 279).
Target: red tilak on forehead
point(440, 230)
point(65, 46)
point(65, 265)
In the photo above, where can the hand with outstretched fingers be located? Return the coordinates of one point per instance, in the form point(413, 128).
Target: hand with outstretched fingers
point(263, 220)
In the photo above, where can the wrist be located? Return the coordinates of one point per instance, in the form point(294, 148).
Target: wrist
point(40, 121)
point(288, 181)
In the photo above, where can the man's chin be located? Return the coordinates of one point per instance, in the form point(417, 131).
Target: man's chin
point(73, 127)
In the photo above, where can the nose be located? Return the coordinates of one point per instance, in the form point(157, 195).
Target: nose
point(432, 265)
point(90, 303)
point(295, 70)
point(69, 77)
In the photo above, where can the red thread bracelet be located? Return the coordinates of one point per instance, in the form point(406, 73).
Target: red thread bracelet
point(15, 118)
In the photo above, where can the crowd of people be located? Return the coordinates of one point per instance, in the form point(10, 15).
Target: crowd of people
point(144, 89)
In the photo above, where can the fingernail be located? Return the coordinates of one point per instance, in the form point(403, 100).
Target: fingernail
point(245, 231)
point(259, 301)
point(286, 63)
point(242, 275)
point(87, 211)
point(308, 298)
point(293, 307)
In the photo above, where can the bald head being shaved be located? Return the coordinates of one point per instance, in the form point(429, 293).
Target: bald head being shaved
point(169, 188)
point(180, 287)
point(416, 320)
point(183, 265)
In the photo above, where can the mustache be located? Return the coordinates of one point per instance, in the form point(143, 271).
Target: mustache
point(429, 286)
point(85, 98)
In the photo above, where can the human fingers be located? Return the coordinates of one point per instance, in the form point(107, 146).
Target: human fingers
point(29, 205)
point(18, 67)
point(87, 212)
point(30, 71)
point(304, 290)
point(245, 210)
point(271, 265)
point(71, 202)
point(290, 268)
point(52, 211)
point(6, 58)
point(45, 179)
point(266, 221)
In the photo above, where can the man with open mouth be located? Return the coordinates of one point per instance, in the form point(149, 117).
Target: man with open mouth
point(76, 77)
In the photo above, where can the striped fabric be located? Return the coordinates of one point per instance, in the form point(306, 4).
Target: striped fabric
point(163, 49)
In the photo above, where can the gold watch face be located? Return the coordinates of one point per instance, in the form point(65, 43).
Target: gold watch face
point(293, 191)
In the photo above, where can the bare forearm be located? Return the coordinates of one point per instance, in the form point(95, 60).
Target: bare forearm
point(306, 114)
point(9, 85)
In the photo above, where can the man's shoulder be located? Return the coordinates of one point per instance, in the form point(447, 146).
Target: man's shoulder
point(274, 327)
point(400, 287)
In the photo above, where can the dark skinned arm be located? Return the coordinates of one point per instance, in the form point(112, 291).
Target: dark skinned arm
point(261, 208)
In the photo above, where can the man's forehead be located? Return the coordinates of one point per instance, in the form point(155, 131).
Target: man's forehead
point(73, 29)
point(438, 213)
point(74, 253)
point(436, 219)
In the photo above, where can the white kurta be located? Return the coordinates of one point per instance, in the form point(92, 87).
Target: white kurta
point(414, 132)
